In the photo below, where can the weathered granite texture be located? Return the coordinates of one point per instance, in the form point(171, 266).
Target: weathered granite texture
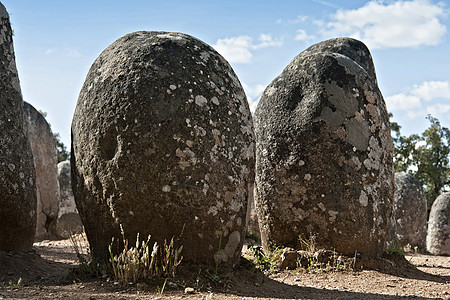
point(163, 143)
point(438, 236)
point(324, 168)
point(17, 175)
point(43, 146)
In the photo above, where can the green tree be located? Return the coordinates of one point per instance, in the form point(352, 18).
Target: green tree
point(61, 149)
point(424, 156)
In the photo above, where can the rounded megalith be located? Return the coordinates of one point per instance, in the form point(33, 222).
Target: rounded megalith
point(438, 235)
point(69, 221)
point(409, 218)
point(43, 146)
point(163, 144)
point(324, 170)
point(17, 175)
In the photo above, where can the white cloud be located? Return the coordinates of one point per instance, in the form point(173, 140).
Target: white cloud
point(438, 109)
point(397, 24)
point(51, 51)
point(299, 19)
point(303, 36)
point(253, 94)
point(326, 3)
point(65, 52)
point(402, 102)
point(427, 90)
point(73, 53)
point(430, 90)
point(428, 97)
point(239, 49)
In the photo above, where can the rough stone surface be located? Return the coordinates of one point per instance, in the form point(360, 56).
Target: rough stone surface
point(17, 175)
point(163, 144)
point(324, 152)
point(45, 157)
point(69, 221)
point(409, 218)
point(438, 236)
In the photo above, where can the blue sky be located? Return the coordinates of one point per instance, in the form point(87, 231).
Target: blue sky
point(56, 42)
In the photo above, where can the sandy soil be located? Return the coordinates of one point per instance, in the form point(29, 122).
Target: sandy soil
point(47, 272)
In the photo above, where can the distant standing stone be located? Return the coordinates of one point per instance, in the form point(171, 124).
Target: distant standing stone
point(324, 152)
point(45, 157)
point(163, 144)
point(409, 219)
point(17, 175)
point(69, 221)
point(438, 236)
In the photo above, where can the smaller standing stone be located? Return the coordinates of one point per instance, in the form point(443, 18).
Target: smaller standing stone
point(409, 218)
point(252, 220)
point(69, 221)
point(438, 237)
point(45, 156)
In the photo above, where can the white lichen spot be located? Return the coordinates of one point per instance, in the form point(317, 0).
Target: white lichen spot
point(216, 134)
point(199, 130)
point(200, 100)
point(359, 117)
point(363, 199)
point(205, 56)
point(321, 206)
point(333, 214)
point(188, 123)
point(166, 188)
point(355, 161)
point(307, 177)
point(187, 158)
point(215, 100)
point(301, 163)
point(173, 87)
point(11, 167)
point(374, 156)
point(270, 91)
point(248, 152)
point(205, 188)
point(213, 211)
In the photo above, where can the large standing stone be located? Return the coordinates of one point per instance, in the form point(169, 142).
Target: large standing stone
point(45, 157)
point(163, 144)
point(324, 152)
point(17, 175)
point(69, 221)
point(409, 218)
point(438, 236)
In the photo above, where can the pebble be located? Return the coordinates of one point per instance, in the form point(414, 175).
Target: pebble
point(189, 290)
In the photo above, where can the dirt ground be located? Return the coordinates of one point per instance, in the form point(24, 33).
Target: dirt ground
point(47, 272)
